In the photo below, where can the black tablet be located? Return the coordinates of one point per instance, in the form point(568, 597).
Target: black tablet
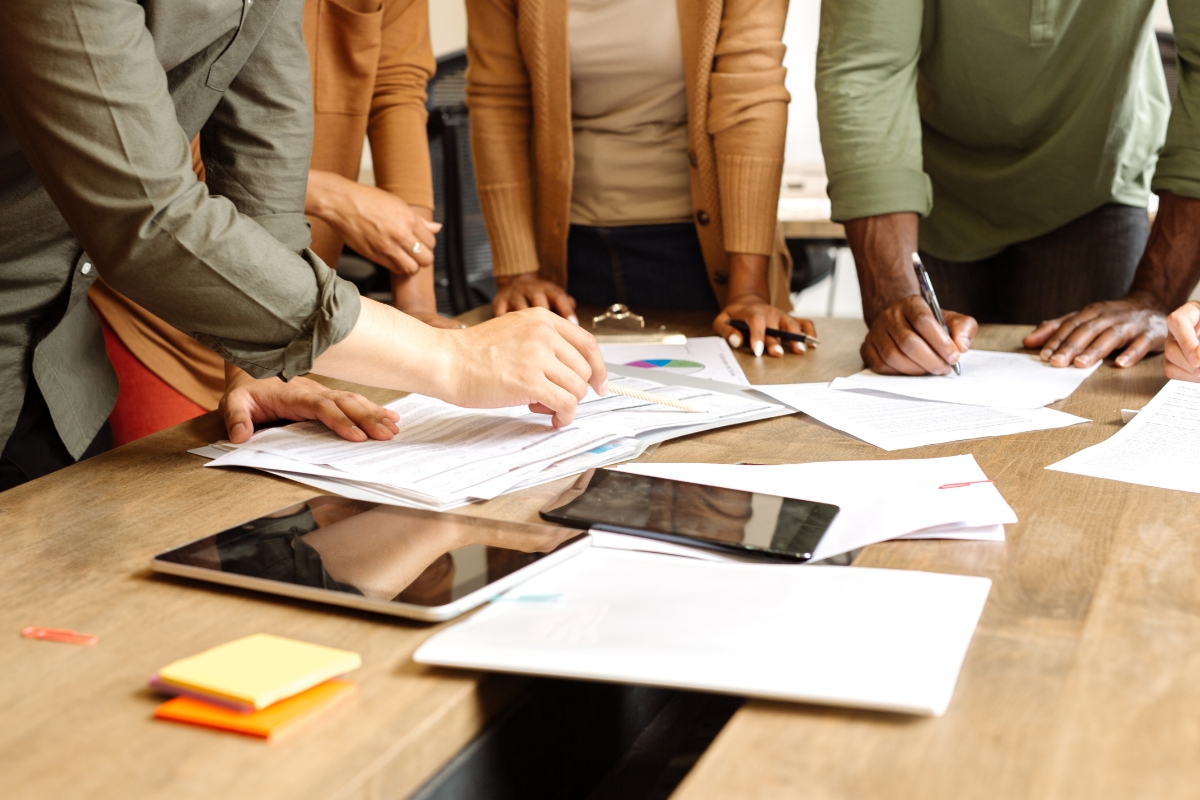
point(746, 523)
point(421, 564)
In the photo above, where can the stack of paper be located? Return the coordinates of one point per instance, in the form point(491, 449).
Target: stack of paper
point(997, 394)
point(260, 685)
point(869, 638)
point(919, 498)
point(1160, 445)
point(445, 456)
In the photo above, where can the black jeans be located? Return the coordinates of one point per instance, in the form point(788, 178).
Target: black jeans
point(1090, 259)
point(34, 449)
point(642, 266)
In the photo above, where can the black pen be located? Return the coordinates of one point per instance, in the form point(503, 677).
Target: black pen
point(931, 299)
point(786, 336)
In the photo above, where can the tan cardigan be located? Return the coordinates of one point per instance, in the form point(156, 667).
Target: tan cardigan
point(371, 60)
point(519, 94)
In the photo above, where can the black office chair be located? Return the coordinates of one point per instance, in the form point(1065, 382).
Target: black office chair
point(463, 258)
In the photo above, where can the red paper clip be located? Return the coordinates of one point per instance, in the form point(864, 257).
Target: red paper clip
point(956, 485)
point(59, 635)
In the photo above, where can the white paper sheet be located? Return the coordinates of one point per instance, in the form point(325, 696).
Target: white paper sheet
point(1006, 380)
point(879, 500)
point(1159, 447)
point(701, 357)
point(445, 454)
point(868, 638)
point(892, 422)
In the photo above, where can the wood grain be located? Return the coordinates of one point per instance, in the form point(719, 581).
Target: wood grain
point(1079, 682)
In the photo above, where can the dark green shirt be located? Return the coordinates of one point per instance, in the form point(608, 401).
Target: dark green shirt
point(99, 100)
point(1002, 119)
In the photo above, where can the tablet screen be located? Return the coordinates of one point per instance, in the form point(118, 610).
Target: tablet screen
point(422, 558)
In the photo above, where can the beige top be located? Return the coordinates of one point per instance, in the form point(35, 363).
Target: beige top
point(628, 113)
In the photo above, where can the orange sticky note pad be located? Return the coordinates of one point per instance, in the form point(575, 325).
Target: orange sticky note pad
point(270, 723)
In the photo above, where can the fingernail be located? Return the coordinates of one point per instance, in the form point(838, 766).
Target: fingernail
point(574, 319)
point(236, 430)
point(1122, 361)
point(802, 347)
point(953, 359)
point(1047, 353)
point(757, 349)
point(356, 429)
point(776, 350)
point(603, 390)
point(735, 340)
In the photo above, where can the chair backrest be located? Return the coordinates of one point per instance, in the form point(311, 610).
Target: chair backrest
point(463, 258)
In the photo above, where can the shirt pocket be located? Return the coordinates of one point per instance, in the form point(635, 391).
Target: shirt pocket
point(347, 56)
point(1043, 19)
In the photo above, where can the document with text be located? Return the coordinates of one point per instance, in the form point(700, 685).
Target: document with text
point(1159, 447)
point(1004, 380)
point(893, 422)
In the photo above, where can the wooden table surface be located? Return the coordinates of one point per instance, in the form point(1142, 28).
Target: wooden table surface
point(1079, 681)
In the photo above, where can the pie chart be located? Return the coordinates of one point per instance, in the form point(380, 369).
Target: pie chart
point(672, 364)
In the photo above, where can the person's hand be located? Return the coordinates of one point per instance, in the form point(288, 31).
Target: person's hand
point(527, 290)
point(1084, 338)
point(759, 314)
point(906, 339)
point(376, 224)
point(530, 357)
point(1183, 345)
point(431, 317)
point(248, 402)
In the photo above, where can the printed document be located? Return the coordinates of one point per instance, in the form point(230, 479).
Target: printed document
point(701, 357)
point(892, 422)
point(1159, 447)
point(445, 455)
point(1005, 380)
point(845, 636)
point(879, 500)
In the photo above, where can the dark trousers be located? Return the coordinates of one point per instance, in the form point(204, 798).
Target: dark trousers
point(1088, 260)
point(34, 449)
point(642, 266)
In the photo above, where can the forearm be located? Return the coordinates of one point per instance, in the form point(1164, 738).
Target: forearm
point(1170, 267)
point(414, 293)
point(883, 248)
point(390, 350)
point(748, 277)
point(327, 197)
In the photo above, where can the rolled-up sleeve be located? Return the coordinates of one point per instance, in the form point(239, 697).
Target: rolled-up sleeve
point(83, 92)
point(867, 107)
point(1179, 163)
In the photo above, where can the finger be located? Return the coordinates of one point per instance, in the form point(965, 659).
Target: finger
point(1105, 343)
point(373, 420)
point(517, 302)
point(561, 403)
point(786, 323)
point(427, 238)
point(562, 375)
point(538, 299)
point(1064, 331)
point(421, 257)
point(1042, 332)
point(1174, 354)
point(585, 344)
point(563, 304)
point(923, 339)
point(1082, 335)
point(873, 360)
point(1136, 351)
point(899, 361)
point(435, 227)
point(327, 411)
point(962, 329)
point(235, 408)
point(757, 337)
point(400, 262)
point(1184, 325)
point(500, 305)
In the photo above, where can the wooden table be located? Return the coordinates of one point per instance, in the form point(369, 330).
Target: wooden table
point(1079, 681)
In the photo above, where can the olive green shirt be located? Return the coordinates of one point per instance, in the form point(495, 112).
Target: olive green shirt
point(99, 100)
point(1002, 120)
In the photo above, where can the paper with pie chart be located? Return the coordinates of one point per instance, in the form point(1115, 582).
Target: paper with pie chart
point(701, 357)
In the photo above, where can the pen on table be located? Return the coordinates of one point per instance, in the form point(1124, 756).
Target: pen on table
point(787, 336)
point(652, 398)
point(931, 299)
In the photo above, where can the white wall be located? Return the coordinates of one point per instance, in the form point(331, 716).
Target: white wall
point(800, 36)
point(448, 26)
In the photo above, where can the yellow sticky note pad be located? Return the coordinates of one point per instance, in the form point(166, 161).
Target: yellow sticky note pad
point(258, 670)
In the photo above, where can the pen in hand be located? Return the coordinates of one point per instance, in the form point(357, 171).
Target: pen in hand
point(931, 300)
point(786, 336)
